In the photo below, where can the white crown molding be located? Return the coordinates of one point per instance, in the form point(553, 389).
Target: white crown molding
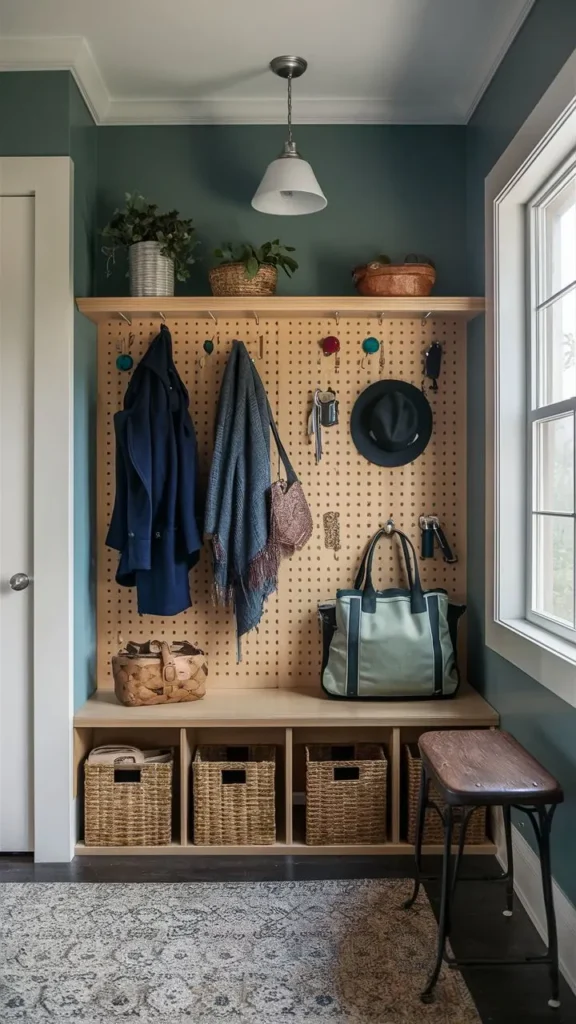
point(73, 54)
point(495, 62)
point(64, 53)
point(259, 110)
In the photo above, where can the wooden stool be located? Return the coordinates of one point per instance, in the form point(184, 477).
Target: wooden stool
point(486, 768)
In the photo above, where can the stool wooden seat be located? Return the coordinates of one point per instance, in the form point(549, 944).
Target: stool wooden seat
point(481, 768)
point(486, 768)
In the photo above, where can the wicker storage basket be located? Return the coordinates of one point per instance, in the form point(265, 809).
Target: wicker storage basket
point(230, 279)
point(155, 673)
point(388, 279)
point(234, 796)
point(433, 829)
point(128, 805)
point(346, 794)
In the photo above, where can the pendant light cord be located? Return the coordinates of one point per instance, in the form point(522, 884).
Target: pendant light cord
point(290, 108)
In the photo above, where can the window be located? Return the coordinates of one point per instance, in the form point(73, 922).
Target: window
point(551, 527)
point(530, 223)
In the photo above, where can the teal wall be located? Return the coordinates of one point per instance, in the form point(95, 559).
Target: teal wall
point(43, 114)
point(34, 113)
point(545, 724)
point(391, 189)
point(83, 151)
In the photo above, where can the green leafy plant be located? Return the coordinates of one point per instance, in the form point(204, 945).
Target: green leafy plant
point(272, 254)
point(140, 221)
point(412, 257)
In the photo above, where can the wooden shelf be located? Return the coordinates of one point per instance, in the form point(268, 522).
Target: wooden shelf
point(276, 849)
point(192, 307)
point(289, 719)
point(306, 708)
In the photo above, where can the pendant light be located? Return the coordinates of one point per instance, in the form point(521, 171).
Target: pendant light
point(289, 187)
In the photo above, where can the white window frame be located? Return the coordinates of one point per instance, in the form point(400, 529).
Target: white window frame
point(537, 411)
point(543, 143)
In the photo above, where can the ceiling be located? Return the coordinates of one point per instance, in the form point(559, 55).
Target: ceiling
point(201, 61)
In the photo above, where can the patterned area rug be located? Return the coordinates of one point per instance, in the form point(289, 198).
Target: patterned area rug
point(338, 952)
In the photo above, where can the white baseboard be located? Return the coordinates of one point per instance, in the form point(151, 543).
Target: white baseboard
point(528, 888)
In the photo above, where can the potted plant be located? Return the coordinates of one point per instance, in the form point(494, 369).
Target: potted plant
point(160, 245)
point(247, 270)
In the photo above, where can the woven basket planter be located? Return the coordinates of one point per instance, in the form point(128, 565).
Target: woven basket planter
point(234, 796)
point(230, 279)
point(346, 794)
point(150, 272)
point(388, 279)
point(128, 805)
point(433, 828)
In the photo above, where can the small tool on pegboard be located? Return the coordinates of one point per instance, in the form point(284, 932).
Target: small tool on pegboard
point(432, 366)
point(331, 522)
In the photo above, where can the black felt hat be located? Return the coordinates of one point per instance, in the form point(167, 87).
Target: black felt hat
point(391, 423)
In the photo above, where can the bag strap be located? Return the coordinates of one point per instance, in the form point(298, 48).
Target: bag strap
point(359, 581)
point(417, 600)
point(364, 577)
point(291, 477)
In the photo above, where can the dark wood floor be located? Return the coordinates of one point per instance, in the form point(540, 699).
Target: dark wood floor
point(503, 995)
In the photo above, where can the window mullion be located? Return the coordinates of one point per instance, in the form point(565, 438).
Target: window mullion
point(546, 303)
point(547, 412)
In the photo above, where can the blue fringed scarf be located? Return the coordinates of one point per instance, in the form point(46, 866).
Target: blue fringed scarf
point(237, 510)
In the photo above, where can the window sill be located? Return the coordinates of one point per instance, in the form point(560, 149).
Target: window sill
point(545, 657)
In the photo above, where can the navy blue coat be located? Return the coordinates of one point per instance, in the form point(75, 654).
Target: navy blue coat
point(154, 524)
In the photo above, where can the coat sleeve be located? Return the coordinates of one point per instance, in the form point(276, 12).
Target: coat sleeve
point(139, 481)
point(131, 525)
point(118, 530)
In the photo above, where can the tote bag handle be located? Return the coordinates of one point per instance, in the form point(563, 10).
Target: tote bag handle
point(417, 601)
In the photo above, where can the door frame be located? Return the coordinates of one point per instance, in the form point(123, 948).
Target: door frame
point(50, 181)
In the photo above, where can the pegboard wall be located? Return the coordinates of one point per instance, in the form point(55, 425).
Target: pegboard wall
point(285, 651)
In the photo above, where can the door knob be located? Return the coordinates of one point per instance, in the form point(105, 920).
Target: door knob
point(19, 581)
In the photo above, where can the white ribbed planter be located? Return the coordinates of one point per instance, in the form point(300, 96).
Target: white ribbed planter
point(150, 273)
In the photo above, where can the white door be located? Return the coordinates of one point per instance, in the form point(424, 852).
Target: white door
point(16, 521)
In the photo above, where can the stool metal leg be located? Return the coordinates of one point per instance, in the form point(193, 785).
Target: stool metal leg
point(545, 816)
point(420, 822)
point(444, 922)
point(509, 876)
point(467, 813)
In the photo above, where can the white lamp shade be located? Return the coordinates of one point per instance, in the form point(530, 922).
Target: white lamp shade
point(289, 188)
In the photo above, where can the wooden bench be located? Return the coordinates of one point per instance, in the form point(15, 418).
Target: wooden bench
point(289, 719)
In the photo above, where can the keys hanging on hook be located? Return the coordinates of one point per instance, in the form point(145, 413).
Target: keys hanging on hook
point(370, 346)
point(432, 365)
point(315, 426)
point(124, 360)
point(331, 347)
point(208, 347)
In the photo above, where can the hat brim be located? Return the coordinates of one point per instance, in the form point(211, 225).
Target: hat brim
point(360, 423)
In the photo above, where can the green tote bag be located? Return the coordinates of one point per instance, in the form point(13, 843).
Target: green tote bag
point(391, 644)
